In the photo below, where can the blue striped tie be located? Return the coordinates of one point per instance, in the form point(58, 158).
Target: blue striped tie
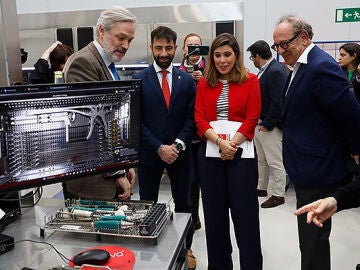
point(113, 71)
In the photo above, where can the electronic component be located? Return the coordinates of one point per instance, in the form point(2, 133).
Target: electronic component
point(6, 243)
point(51, 133)
point(130, 219)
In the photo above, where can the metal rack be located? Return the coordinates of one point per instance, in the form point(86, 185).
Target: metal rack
point(140, 220)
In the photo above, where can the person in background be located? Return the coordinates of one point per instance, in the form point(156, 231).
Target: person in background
point(321, 128)
point(115, 30)
point(228, 182)
point(58, 54)
point(356, 83)
point(268, 134)
point(167, 126)
point(349, 60)
point(194, 65)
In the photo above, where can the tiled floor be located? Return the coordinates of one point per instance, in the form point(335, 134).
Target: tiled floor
point(279, 235)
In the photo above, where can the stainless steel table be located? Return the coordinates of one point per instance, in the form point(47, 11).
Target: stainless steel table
point(167, 254)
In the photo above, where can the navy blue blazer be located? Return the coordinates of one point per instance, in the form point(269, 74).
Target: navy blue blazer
point(160, 125)
point(321, 122)
point(271, 83)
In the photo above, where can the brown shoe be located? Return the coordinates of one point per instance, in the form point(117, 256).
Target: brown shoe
point(261, 193)
point(191, 260)
point(273, 201)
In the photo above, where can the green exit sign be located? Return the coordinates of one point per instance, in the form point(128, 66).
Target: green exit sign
point(347, 15)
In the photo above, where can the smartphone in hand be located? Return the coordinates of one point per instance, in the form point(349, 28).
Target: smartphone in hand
point(238, 153)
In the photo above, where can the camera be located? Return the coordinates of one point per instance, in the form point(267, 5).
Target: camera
point(199, 49)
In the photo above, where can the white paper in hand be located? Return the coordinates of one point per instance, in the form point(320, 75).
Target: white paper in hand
point(226, 130)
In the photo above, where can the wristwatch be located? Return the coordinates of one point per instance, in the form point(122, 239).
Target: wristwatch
point(178, 146)
point(118, 174)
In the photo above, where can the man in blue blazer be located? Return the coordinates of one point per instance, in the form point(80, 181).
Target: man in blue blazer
point(321, 128)
point(167, 126)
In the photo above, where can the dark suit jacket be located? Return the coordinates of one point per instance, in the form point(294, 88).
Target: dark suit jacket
point(271, 83)
point(355, 85)
point(321, 122)
point(348, 196)
point(159, 124)
point(86, 65)
point(42, 72)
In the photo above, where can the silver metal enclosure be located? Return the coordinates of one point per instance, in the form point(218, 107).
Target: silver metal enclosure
point(38, 31)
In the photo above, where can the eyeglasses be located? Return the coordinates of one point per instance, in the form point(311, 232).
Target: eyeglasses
point(251, 57)
point(285, 43)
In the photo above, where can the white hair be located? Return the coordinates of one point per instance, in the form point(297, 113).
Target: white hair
point(113, 15)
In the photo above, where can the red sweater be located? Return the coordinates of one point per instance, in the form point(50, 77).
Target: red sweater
point(244, 105)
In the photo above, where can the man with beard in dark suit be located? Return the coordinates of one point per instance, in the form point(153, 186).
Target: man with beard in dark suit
point(167, 126)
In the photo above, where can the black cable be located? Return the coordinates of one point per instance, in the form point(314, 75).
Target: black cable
point(21, 198)
point(38, 190)
point(62, 256)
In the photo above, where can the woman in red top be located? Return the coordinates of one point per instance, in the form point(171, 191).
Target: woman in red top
point(228, 182)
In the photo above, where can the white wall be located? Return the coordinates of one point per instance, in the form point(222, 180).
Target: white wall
point(261, 16)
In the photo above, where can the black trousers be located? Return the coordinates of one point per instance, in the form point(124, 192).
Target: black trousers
point(195, 184)
point(149, 177)
point(314, 241)
point(229, 190)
